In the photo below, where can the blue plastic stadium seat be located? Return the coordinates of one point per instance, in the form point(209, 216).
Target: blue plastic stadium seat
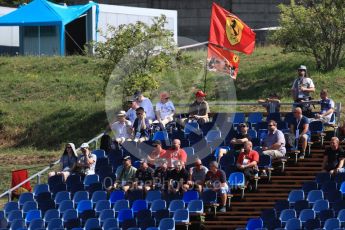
point(190, 195)
point(70, 219)
point(125, 214)
point(320, 205)
point(79, 196)
point(106, 214)
point(100, 153)
point(40, 188)
point(158, 205)
point(10, 206)
point(65, 205)
point(84, 205)
point(167, 224)
point(61, 196)
point(121, 204)
point(55, 224)
point(293, 224)
point(236, 180)
point(331, 224)
point(181, 216)
point(196, 206)
point(17, 224)
point(28, 206)
point(153, 195)
point(110, 223)
point(24, 197)
point(314, 195)
point(102, 205)
point(286, 215)
point(92, 223)
point(51, 214)
point(116, 195)
point(175, 205)
point(254, 118)
point(14, 215)
point(98, 195)
point(32, 215)
point(295, 195)
point(307, 214)
point(161, 136)
point(36, 224)
point(139, 205)
point(91, 179)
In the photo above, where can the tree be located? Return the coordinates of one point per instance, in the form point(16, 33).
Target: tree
point(140, 50)
point(314, 27)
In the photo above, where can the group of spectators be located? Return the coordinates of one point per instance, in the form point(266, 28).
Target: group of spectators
point(166, 168)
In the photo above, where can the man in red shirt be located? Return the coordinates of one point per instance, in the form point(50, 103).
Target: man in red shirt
point(175, 153)
point(248, 160)
point(155, 154)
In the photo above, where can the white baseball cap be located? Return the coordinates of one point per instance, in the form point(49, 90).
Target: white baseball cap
point(84, 145)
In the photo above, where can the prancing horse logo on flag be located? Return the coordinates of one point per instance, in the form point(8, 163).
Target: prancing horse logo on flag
point(234, 29)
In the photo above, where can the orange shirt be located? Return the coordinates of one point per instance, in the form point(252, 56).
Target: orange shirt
point(251, 156)
point(172, 155)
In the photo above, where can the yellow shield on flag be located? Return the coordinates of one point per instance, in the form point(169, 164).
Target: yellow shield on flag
point(234, 29)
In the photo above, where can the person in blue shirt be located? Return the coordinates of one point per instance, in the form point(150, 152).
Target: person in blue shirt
point(327, 108)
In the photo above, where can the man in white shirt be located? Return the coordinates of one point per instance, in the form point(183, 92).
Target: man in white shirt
point(146, 104)
point(121, 128)
point(164, 109)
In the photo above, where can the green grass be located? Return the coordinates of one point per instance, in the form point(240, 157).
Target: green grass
point(48, 101)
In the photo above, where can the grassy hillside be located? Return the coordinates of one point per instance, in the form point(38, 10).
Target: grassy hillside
point(48, 101)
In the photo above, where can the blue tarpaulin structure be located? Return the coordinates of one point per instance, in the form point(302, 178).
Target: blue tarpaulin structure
point(45, 13)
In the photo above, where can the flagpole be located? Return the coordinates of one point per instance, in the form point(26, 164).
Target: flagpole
point(205, 74)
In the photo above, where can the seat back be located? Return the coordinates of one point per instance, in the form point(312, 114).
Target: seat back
point(293, 224)
point(287, 214)
point(314, 195)
point(181, 216)
point(253, 224)
point(295, 195)
point(195, 206)
point(153, 195)
point(121, 204)
point(84, 205)
point(190, 195)
point(175, 205)
point(320, 205)
point(307, 214)
point(331, 224)
point(100, 153)
point(125, 214)
point(117, 195)
point(167, 224)
point(139, 205)
point(158, 205)
point(236, 179)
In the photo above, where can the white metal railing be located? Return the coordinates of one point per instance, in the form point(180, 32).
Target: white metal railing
point(39, 174)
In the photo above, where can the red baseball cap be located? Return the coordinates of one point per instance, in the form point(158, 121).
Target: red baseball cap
point(200, 94)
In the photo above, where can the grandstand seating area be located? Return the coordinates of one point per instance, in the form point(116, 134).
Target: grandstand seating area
point(295, 196)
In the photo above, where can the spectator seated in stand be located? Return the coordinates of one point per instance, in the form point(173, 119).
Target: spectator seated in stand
point(125, 174)
point(274, 143)
point(175, 153)
point(178, 178)
point(215, 180)
point(299, 128)
point(141, 126)
point(334, 157)
point(197, 175)
point(272, 103)
point(144, 176)
point(68, 162)
point(156, 153)
point(86, 162)
point(327, 108)
point(161, 175)
point(164, 110)
point(247, 162)
point(237, 143)
point(146, 104)
point(122, 128)
point(199, 109)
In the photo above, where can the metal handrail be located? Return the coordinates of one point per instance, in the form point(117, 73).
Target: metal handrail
point(38, 174)
point(95, 139)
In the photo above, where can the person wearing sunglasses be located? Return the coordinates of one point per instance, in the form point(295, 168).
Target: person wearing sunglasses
point(67, 161)
point(199, 109)
point(303, 85)
point(155, 154)
point(274, 143)
point(197, 175)
point(141, 126)
point(237, 143)
point(144, 176)
point(165, 110)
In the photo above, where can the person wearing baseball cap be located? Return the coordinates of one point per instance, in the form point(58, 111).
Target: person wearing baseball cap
point(302, 86)
point(86, 163)
point(199, 109)
point(165, 109)
point(131, 114)
point(125, 174)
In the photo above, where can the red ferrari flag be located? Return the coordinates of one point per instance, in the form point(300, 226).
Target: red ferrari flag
point(221, 60)
point(228, 31)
